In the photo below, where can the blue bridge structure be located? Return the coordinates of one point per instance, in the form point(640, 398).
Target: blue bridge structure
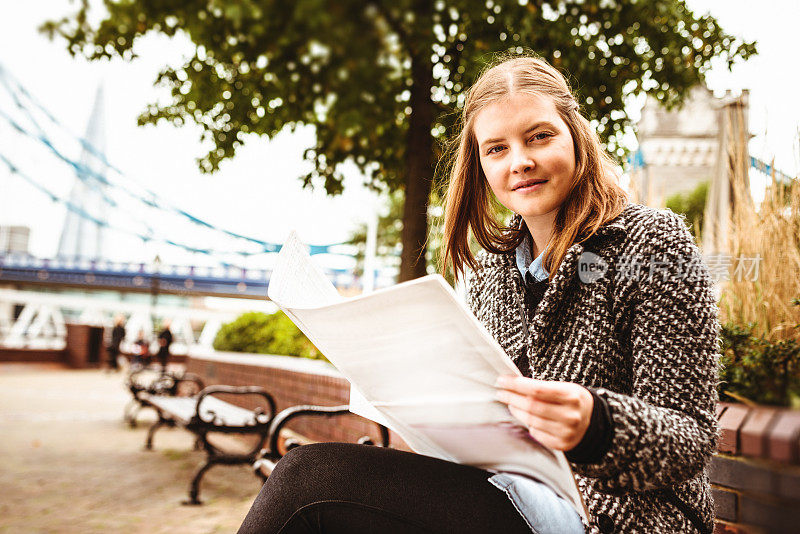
point(24, 271)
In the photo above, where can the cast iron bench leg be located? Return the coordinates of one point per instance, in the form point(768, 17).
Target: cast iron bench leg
point(131, 413)
point(158, 424)
point(194, 490)
point(173, 412)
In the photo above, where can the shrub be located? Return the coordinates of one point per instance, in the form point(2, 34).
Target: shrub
point(756, 369)
point(265, 334)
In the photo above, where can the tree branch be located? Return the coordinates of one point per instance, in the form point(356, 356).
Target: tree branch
point(395, 25)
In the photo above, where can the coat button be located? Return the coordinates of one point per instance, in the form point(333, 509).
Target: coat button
point(605, 523)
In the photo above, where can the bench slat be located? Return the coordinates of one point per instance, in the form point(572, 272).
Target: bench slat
point(182, 409)
point(230, 415)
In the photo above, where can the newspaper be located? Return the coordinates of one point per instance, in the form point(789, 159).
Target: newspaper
point(421, 364)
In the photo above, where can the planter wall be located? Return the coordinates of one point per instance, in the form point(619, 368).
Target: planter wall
point(755, 474)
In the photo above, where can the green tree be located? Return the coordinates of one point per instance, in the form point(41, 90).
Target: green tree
point(381, 81)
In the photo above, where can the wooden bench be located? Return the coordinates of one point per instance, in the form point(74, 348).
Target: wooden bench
point(204, 414)
point(170, 384)
point(269, 456)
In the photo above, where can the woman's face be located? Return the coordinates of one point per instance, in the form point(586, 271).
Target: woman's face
point(527, 154)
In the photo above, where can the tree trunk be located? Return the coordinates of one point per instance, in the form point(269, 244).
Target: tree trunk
point(419, 171)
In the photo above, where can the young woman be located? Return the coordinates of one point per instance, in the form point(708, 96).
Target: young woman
point(606, 308)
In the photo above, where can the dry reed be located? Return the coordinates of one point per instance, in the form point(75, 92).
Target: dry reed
point(770, 232)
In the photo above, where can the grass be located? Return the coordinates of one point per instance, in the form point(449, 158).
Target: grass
point(175, 454)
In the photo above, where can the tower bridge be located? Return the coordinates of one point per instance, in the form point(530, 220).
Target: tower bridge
point(39, 296)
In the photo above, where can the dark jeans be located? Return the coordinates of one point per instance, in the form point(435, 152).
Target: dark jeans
point(113, 354)
point(341, 488)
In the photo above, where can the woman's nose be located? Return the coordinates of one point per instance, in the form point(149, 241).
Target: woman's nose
point(521, 161)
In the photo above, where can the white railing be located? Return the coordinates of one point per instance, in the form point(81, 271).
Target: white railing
point(41, 322)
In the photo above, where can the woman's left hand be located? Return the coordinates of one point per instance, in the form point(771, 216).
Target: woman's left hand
point(556, 414)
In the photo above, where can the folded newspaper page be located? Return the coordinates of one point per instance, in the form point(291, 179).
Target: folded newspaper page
point(421, 364)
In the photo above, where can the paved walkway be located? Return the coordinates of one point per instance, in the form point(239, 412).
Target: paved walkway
point(69, 464)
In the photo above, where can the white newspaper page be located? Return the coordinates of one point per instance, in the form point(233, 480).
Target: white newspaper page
point(422, 365)
point(300, 282)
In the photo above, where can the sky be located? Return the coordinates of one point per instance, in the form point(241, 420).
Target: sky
point(771, 76)
point(258, 193)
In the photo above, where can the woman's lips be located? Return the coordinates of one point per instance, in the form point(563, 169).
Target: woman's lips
point(529, 186)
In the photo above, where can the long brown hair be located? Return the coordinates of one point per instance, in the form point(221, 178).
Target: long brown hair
point(595, 197)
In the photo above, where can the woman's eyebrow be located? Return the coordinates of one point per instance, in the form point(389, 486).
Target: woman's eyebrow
point(529, 130)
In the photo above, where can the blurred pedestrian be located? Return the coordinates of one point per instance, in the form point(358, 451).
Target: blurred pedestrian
point(164, 341)
point(141, 356)
point(117, 335)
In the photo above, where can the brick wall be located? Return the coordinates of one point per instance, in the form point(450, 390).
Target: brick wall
point(755, 475)
point(32, 355)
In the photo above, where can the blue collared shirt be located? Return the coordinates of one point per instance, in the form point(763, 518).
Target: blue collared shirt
point(527, 265)
point(538, 505)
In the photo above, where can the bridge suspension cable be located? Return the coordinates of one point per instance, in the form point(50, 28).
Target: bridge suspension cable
point(24, 101)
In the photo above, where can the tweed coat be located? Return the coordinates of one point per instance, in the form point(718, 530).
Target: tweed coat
point(645, 334)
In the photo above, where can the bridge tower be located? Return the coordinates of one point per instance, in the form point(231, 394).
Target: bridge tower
point(82, 238)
